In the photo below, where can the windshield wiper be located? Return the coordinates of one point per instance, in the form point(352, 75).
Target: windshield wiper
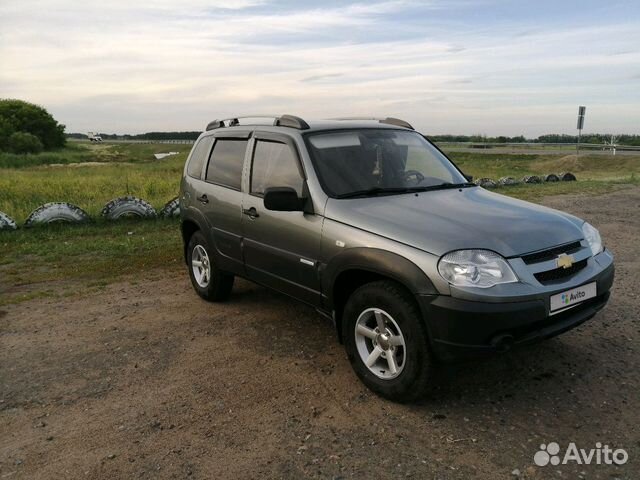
point(442, 186)
point(369, 192)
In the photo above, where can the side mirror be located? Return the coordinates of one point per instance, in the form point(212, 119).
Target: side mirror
point(282, 199)
point(468, 177)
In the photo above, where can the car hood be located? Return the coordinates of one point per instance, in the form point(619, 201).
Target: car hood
point(440, 221)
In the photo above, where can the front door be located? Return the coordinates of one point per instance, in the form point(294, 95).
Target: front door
point(280, 248)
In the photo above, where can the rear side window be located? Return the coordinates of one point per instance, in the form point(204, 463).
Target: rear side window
point(225, 167)
point(274, 165)
point(199, 155)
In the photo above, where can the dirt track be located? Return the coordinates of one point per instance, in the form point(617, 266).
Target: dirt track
point(147, 381)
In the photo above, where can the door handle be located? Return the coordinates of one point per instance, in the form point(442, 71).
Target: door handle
point(203, 199)
point(252, 212)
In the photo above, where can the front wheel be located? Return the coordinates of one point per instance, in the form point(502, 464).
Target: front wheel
point(386, 341)
point(207, 280)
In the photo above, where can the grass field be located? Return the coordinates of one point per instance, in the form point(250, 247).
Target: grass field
point(33, 261)
point(596, 173)
point(585, 167)
point(89, 175)
point(100, 252)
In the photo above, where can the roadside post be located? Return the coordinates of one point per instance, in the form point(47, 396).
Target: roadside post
point(581, 110)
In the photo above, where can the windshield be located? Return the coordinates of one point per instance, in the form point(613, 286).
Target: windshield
point(353, 162)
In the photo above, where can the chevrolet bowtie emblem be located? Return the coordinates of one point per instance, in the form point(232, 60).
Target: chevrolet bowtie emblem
point(564, 261)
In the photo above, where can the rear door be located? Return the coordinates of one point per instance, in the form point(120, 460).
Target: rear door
point(280, 248)
point(221, 198)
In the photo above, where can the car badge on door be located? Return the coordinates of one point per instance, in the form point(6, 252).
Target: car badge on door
point(564, 261)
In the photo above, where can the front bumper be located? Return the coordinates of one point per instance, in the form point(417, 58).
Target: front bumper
point(461, 328)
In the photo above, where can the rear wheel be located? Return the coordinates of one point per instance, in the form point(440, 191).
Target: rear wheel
point(207, 280)
point(386, 341)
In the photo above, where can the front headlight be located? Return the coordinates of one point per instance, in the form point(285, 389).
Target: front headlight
point(475, 268)
point(592, 236)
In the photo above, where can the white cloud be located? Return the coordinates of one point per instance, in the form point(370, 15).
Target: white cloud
point(116, 67)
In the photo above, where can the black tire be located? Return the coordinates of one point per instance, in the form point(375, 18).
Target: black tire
point(58, 212)
point(6, 222)
point(414, 378)
point(128, 207)
point(508, 181)
point(219, 286)
point(171, 208)
point(552, 177)
point(567, 177)
point(486, 183)
point(531, 179)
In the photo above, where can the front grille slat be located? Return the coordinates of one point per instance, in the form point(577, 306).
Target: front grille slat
point(560, 273)
point(551, 253)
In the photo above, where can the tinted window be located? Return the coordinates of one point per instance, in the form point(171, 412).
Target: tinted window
point(274, 165)
point(225, 167)
point(199, 155)
point(357, 160)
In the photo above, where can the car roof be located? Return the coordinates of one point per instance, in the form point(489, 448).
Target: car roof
point(291, 124)
point(314, 126)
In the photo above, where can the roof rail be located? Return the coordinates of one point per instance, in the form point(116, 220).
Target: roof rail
point(388, 120)
point(291, 121)
point(278, 120)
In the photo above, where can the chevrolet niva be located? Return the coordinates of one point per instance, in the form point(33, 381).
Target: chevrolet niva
point(370, 223)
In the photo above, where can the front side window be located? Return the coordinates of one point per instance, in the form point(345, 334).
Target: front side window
point(349, 162)
point(274, 165)
point(199, 156)
point(225, 167)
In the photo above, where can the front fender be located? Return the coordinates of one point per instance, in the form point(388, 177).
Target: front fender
point(377, 261)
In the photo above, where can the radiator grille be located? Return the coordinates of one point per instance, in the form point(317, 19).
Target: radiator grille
point(551, 253)
point(560, 273)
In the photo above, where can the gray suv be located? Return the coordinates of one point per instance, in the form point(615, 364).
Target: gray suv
point(371, 224)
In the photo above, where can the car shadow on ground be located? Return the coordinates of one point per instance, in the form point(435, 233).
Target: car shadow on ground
point(541, 369)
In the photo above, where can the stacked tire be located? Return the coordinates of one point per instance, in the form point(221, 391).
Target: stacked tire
point(6, 222)
point(128, 207)
point(56, 212)
point(118, 208)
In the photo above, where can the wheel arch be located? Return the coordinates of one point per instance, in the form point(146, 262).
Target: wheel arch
point(357, 266)
point(187, 227)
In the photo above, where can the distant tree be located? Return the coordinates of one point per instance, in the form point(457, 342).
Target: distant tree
point(25, 117)
point(23, 142)
point(5, 132)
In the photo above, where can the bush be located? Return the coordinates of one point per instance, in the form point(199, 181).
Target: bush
point(23, 142)
point(17, 116)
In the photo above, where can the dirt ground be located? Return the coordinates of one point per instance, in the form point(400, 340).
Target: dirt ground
point(145, 380)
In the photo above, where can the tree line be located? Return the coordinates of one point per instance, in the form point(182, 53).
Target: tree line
point(143, 136)
point(598, 138)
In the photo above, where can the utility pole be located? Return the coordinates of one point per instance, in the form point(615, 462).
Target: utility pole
point(581, 110)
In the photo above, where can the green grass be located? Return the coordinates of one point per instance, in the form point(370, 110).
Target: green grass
point(79, 152)
point(585, 167)
point(535, 192)
point(95, 254)
point(121, 169)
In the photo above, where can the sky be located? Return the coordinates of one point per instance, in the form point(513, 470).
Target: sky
point(446, 66)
